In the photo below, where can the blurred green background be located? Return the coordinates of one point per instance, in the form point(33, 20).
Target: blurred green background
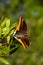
point(32, 11)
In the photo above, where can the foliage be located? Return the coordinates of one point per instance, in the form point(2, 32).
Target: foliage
point(6, 32)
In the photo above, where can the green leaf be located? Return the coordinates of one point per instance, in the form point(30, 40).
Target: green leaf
point(8, 23)
point(13, 50)
point(0, 32)
point(13, 26)
point(6, 50)
point(3, 23)
point(0, 44)
point(3, 60)
point(4, 30)
point(8, 38)
point(11, 32)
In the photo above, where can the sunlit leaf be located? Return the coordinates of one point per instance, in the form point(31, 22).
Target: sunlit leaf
point(12, 32)
point(0, 32)
point(3, 60)
point(8, 23)
point(13, 26)
point(6, 50)
point(0, 44)
point(4, 30)
point(3, 23)
point(8, 39)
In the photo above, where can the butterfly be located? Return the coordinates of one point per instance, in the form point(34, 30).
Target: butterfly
point(21, 33)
